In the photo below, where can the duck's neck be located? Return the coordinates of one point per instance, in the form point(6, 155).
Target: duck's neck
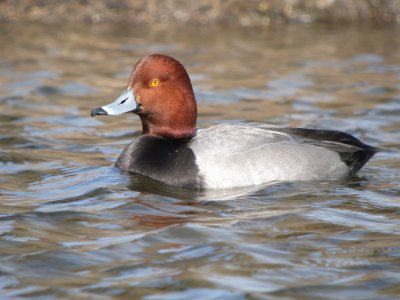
point(172, 130)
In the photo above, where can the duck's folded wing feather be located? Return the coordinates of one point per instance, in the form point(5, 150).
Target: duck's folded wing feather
point(351, 150)
point(233, 139)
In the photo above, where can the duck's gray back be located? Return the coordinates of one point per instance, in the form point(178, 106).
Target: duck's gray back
point(230, 155)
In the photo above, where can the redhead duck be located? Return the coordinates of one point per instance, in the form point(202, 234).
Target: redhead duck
point(173, 151)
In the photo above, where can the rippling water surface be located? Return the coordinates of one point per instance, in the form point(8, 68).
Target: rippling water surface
point(74, 227)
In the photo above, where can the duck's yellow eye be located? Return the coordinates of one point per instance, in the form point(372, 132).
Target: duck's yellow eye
point(154, 82)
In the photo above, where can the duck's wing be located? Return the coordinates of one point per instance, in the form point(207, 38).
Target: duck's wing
point(352, 151)
point(232, 139)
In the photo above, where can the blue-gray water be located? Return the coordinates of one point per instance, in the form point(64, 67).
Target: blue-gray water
point(74, 227)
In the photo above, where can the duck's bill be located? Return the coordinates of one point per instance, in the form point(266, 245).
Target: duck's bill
point(126, 102)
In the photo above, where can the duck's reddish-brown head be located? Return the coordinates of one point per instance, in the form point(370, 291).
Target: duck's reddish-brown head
point(160, 92)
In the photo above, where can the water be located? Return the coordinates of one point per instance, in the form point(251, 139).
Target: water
point(74, 227)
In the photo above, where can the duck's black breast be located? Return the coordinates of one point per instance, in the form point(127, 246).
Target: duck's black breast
point(165, 160)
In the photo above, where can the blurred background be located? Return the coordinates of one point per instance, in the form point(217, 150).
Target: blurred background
point(72, 226)
point(225, 12)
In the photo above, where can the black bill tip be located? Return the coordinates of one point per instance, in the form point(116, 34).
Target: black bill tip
point(98, 111)
point(137, 109)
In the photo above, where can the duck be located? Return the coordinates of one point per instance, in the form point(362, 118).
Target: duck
point(172, 150)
